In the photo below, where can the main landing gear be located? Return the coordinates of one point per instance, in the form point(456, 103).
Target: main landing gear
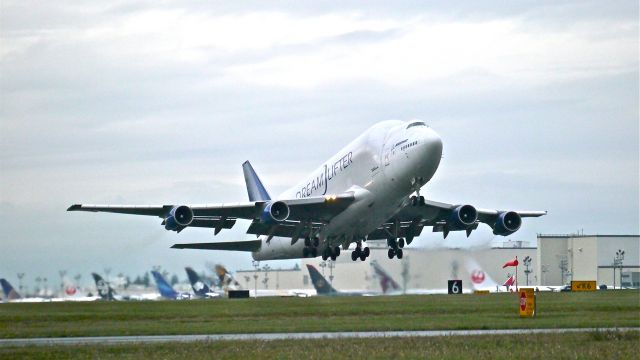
point(395, 248)
point(417, 201)
point(310, 247)
point(360, 253)
point(331, 253)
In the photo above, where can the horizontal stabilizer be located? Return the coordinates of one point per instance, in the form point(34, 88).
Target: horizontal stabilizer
point(248, 245)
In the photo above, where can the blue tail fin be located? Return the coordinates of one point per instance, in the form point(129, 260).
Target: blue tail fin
point(104, 289)
point(319, 282)
point(199, 287)
point(256, 190)
point(163, 286)
point(9, 292)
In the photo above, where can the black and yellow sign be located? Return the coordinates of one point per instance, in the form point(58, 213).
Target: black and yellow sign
point(583, 285)
point(481, 292)
point(527, 298)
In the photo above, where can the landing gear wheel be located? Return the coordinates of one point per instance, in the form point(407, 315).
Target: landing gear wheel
point(391, 253)
point(316, 242)
point(336, 251)
point(314, 252)
point(354, 256)
point(325, 256)
point(421, 201)
point(363, 257)
point(399, 253)
point(367, 252)
point(333, 258)
point(401, 243)
point(414, 201)
point(305, 252)
point(307, 241)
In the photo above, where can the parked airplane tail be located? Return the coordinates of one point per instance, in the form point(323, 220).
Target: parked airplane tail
point(386, 282)
point(165, 289)
point(319, 282)
point(226, 280)
point(9, 292)
point(255, 189)
point(198, 286)
point(105, 290)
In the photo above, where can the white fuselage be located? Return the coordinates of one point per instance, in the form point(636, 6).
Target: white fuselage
point(383, 167)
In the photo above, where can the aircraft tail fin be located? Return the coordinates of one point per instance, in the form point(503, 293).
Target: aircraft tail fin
point(165, 289)
point(255, 189)
point(9, 292)
point(105, 290)
point(319, 282)
point(386, 281)
point(199, 287)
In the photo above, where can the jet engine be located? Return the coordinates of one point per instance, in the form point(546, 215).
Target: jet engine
point(507, 223)
point(462, 217)
point(179, 217)
point(275, 212)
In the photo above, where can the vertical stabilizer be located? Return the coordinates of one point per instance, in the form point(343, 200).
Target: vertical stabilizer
point(164, 288)
point(9, 292)
point(320, 283)
point(386, 281)
point(104, 289)
point(199, 288)
point(255, 189)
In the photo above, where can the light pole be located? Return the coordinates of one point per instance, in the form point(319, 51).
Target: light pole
point(20, 276)
point(265, 281)
point(323, 265)
point(405, 273)
point(617, 262)
point(256, 265)
point(331, 266)
point(527, 267)
point(62, 273)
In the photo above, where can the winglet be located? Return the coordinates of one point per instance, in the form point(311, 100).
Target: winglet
point(255, 189)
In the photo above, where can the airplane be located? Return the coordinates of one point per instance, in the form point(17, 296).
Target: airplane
point(200, 289)
point(387, 283)
point(105, 291)
point(478, 278)
point(166, 290)
point(324, 288)
point(364, 192)
point(10, 293)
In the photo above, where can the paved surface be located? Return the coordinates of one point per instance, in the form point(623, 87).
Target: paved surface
point(102, 340)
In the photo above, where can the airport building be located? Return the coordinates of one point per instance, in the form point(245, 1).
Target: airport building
point(555, 261)
point(608, 259)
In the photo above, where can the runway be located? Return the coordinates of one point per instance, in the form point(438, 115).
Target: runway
point(113, 340)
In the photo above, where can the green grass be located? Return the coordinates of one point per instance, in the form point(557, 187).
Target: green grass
point(594, 345)
point(431, 312)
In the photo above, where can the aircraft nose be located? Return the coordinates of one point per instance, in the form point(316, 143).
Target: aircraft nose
point(432, 143)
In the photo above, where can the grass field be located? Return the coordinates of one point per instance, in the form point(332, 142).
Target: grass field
point(430, 312)
point(593, 345)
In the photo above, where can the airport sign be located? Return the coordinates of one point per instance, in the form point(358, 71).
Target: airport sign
point(589, 285)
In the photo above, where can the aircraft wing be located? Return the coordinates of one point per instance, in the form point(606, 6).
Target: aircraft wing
point(247, 245)
point(313, 210)
point(410, 220)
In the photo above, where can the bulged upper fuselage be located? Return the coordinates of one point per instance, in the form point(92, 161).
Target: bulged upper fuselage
point(382, 167)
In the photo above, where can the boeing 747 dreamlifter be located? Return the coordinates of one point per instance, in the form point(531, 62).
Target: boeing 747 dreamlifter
point(364, 192)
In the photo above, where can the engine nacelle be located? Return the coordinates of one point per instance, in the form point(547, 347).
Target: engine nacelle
point(462, 217)
point(179, 217)
point(507, 223)
point(275, 212)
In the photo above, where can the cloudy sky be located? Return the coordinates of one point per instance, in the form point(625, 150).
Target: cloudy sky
point(161, 102)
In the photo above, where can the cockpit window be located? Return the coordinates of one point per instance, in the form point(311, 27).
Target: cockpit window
point(417, 123)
